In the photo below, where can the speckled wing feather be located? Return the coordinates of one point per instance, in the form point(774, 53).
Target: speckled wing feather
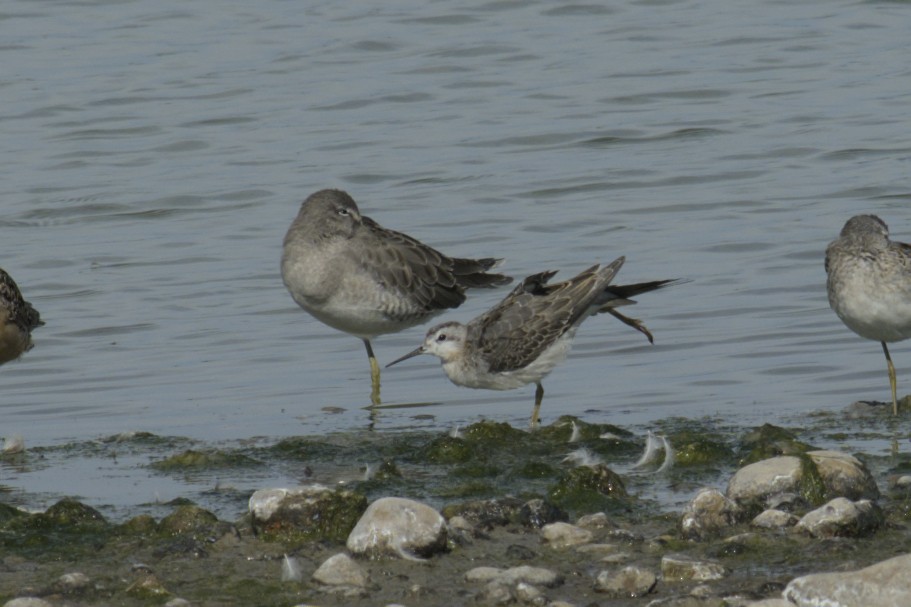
point(429, 280)
point(531, 318)
point(19, 311)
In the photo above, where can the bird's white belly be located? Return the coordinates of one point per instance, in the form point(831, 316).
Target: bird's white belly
point(874, 313)
point(476, 375)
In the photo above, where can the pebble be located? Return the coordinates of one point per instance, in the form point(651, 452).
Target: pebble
point(530, 575)
point(629, 582)
point(774, 519)
point(563, 535)
point(678, 568)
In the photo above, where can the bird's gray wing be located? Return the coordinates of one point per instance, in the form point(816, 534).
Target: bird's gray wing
point(531, 318)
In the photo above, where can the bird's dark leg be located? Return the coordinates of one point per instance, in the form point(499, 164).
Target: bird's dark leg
point(539, 396)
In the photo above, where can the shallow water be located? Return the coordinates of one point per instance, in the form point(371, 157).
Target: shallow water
point(154, 154)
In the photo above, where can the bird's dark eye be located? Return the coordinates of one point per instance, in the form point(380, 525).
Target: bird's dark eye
point(343, 212)
point(441, 337)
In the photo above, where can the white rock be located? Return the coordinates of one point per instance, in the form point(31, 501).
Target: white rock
point(774, 519)
point(842, 474)
point(628, 582)
point(885, 584)
point(27, 601)
point(563, 535)
point(708, 514)
point(399, 527)
point(264, 502)
point(842, 518)
point(341, 570)
point(537, 576)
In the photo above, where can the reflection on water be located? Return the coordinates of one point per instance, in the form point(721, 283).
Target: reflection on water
point(154, 155)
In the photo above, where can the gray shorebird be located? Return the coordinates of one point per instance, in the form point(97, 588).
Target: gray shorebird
point(17, 319)
point(869, 285)
point(358, 277)
point(521, 339)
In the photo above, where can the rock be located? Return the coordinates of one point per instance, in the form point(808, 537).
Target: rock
point(629, 582)
point(188, 520)
point(312, 512)
point(529, 595)
point(340, 572)
point(774, 519)
point(486, 514)
point(537, 576)
point(398, 527)
point(709, 514)
point(72, 583)
point(885, 584)
point(148, 588)
point(678, 568)
point(771, 603)
point(842, 518)
point(588, 489)
point(815, 476)
point(27, 601)
point(598, 520)
point(563, 535)
point(538, 512)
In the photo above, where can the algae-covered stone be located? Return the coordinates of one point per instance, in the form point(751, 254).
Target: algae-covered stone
point(188, 520)
point(142, 524)
point(8, 513)
point(148, 588)
point(692, 448)
point(682, 568)
point(493, 433)
point(312, 512)
point(395, 526)
point(486, 514)
point(538, 512)
point(194, 460)
point(69, 513)
point(769, 441)
point(816, 476)
point(447, 450)
point(588, 489)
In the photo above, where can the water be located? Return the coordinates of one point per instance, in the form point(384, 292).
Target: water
point(153, 155)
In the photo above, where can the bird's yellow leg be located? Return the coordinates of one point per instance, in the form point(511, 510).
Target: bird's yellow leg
point(893, 382)
point(374, 375)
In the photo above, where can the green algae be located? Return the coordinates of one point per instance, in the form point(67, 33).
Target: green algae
point(327, 516)
point(769, 441)
point(203, 460)
point(812, 487)
point(588, 489)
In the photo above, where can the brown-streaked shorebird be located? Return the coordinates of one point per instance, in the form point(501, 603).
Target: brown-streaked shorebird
point(17, 319)
point(358, 277)
point(521, 339)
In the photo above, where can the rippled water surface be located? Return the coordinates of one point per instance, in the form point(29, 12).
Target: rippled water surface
point(154, 153)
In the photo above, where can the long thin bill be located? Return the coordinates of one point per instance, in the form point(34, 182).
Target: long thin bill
point(416, 352)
